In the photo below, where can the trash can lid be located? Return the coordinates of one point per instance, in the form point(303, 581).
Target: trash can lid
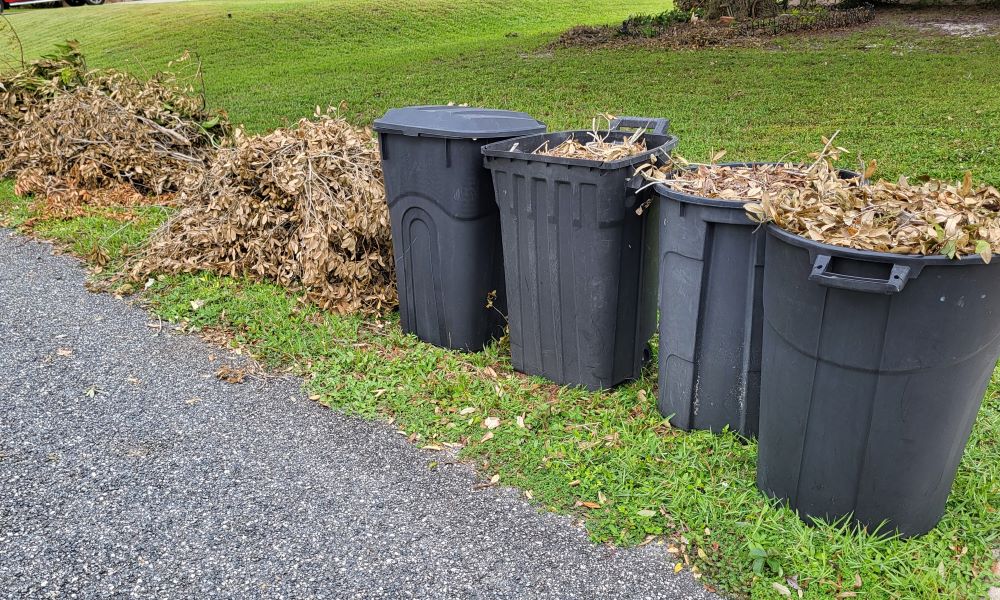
point(461, 122)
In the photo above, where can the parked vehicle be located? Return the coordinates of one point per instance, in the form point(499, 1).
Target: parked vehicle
point(5, 4)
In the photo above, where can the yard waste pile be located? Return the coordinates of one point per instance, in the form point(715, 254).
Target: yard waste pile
point(69, 132)
point(302, 206)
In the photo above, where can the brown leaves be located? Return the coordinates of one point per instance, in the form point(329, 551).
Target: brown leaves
point(599, 147)
point(821, 203)
point(230, 374)
point(304, 207)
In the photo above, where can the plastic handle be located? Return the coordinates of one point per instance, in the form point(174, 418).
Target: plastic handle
point(821, 274)
point(656, 126)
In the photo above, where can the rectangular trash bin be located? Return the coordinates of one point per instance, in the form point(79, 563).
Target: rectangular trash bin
point(580, 263)
point(445, 222)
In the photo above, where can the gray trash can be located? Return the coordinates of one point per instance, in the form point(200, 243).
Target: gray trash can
point(874, 368)
point(581, 264)
point(445, 221)
point(711, 288)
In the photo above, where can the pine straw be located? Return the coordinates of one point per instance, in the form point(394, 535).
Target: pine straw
point(304, 207)
point(67, 127)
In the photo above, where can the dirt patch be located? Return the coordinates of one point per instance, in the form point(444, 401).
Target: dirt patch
point(955, 21)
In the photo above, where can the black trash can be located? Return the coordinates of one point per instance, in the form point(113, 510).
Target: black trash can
point(445, 222)
point(711, 311)
point(580, 261)
point(874, 368)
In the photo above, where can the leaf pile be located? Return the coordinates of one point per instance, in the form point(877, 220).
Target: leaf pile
point(118, 202)
point(736, 183)
point(302, 206)
point(599, 147)
point(924, 218)
point(68, 127)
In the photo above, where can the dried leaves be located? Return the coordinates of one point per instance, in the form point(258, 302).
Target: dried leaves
point(737, 183)
point(74, 129)
point(304, 207)
point(599, 147)
point(821, 203)
point(931, 217)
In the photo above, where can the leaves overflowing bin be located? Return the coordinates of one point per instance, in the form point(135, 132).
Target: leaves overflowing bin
point(580, 262)
point(711, 297)
point(445, 222)
point(874, 367)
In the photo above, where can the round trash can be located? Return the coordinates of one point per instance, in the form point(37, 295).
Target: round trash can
point(711, 311)
point(445, 221)
point(874, 368)
point(580, 262)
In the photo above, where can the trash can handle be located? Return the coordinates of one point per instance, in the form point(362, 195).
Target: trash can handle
point(821, 274)
point(655, 125)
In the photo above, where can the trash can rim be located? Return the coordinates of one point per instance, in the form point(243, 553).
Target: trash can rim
point(494, 150)
point(406, 121)
point(815, 247)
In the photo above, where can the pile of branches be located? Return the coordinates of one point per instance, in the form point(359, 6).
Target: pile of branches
point(68, 130)
point(302, 206)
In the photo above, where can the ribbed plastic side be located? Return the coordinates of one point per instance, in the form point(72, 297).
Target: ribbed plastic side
point(868, 399)
point(578, 265)
point(711, 279)
point(446, 240)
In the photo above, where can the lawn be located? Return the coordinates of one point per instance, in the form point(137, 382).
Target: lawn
point(920, 104)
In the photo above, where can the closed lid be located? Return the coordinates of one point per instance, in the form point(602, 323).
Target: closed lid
point(457, 122)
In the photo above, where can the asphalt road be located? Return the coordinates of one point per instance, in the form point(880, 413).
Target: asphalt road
point(128, 470)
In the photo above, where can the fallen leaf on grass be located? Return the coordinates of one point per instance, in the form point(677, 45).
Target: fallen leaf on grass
point(520, 422)
point(529, 494)
point(857, 581)
point(196, 304)
point(468, 410)
point(495, 479)
point(432, 447)
point(491, 423)
point(847, 595)
point(678, 567)
point(487, 437)
point(588, 504)
point(315, 397)
point(646, 513)
point(784, 591)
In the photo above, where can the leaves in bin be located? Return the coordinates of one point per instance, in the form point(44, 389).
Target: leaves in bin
point(598, 147)
point(821, 203)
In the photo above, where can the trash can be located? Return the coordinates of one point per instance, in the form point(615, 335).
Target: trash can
point(711, 311)
point(580, 262)
point(874, 368)
point(711, 297)
point(445, 222)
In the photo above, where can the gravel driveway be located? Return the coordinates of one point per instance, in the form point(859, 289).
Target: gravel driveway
point(127, 469)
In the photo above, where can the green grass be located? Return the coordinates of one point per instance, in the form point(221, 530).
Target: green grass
point(919, 104)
